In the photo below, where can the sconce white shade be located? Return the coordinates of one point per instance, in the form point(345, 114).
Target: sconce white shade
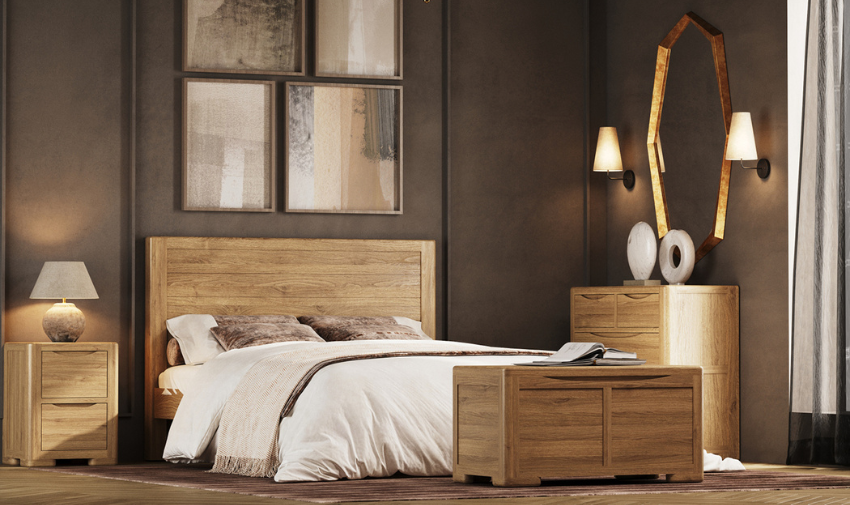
point(607, 151)
point(64, 279)
point(742, 142)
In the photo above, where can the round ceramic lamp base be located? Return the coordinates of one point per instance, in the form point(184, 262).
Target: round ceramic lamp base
point(64, 322)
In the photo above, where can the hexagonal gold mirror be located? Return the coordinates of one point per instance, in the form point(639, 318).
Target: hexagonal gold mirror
point(653, 141)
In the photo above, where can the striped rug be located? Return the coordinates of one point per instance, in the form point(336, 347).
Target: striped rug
point(441, 488)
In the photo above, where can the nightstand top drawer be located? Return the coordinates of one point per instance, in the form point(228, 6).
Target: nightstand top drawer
point(74, 374)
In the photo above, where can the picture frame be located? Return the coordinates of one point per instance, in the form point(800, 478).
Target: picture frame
point(344, 148)
point(266, 38)
point(229, 159)
point(356, 39)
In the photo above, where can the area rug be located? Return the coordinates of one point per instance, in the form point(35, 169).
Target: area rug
point(442, 488)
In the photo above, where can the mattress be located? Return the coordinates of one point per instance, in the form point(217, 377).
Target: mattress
point(179, 377)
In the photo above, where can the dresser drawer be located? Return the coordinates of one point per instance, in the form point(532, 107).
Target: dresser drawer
point(646, 345)
point(74, 374)
point(594, 311)
point(638, 310)
point(73, 426)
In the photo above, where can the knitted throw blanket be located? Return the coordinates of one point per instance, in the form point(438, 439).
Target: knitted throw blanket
point(248, 430)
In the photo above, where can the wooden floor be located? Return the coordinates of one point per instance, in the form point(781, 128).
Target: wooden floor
point(23, 486)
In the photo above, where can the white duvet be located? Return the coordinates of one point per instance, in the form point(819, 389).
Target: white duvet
point(356, 419)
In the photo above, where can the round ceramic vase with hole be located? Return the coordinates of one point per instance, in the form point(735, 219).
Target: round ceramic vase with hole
point(641, 251)
point(676, 241)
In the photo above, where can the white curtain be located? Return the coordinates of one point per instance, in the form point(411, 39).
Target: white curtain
point(819, 429)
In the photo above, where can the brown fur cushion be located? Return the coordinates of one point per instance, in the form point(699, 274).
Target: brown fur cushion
point(237, 336)
point(172, 352)
point(228, 320)
point(318, 323)
point(369, 332)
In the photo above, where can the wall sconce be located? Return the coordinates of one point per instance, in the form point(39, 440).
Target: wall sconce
point(608, 157)
point(63, 322)
point(742, 144)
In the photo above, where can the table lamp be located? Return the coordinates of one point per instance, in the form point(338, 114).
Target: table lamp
point(64, 322)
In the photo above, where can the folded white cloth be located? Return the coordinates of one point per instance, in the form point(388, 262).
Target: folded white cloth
point(714, 463)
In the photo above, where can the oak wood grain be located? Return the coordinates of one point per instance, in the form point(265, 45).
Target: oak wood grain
point(62, 402)
point(69, 374)
point(697, 325)
point(558, 422)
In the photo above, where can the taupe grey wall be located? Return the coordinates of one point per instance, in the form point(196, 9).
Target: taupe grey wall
point(516, 209)
point(510, 196)
point(68, 162)
point(754, 253)
point(159, 167)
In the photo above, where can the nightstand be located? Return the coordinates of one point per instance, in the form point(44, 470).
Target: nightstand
point(61, 402)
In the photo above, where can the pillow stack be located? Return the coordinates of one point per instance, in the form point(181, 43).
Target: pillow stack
point(197, 338)
point(342, 328)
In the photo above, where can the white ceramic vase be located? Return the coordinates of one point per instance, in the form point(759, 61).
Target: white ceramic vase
point(642, 250)
point(681, 241)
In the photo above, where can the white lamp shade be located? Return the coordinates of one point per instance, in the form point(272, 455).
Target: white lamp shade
point(64, 279)
point(607, 151)
point(742, 142)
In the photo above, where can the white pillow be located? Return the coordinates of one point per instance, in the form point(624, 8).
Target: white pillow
point(416, 325)
point(197, 343)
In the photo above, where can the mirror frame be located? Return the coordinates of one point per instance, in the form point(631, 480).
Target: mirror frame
point(653, 140)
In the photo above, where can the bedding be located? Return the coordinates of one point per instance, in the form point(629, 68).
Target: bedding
point(173, 354)
point(354, 419)
point(192, 332)
point(338, 328)
point(193, 343)
point(179, 377)
point(237, 336)
point(371, 332)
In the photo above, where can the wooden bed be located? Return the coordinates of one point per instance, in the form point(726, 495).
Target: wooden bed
point(195, 275)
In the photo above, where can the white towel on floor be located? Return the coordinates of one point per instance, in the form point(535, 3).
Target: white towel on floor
point(714, 463)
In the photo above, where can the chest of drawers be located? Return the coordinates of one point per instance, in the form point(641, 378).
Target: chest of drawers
point(673, 325)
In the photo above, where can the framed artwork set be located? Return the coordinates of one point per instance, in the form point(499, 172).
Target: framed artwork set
point(342, 141)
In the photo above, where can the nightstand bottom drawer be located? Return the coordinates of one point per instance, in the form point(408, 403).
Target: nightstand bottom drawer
point(73, 426)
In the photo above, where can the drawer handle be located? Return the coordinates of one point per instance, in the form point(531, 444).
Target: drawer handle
point(78, 405)
point(593, 297)
point(638, 297)
point(619, 378)
point(81, 353)
point(615, 335)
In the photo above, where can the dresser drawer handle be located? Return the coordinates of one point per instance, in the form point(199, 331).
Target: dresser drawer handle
point(615, 335)
point(593, 297)
point(78, 405)
point(80, 353)
point(638, 297)
point(619, 378)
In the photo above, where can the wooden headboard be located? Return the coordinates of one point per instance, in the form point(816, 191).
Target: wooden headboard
point(213, 275)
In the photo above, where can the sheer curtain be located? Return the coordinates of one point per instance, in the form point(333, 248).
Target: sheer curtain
point(819, 430)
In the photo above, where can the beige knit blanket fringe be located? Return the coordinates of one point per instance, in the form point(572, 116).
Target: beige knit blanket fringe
point(248, 430)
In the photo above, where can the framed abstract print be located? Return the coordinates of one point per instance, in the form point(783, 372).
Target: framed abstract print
point(359, 38)
point(344, 148)
point(228, 145)
point(244, 36)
